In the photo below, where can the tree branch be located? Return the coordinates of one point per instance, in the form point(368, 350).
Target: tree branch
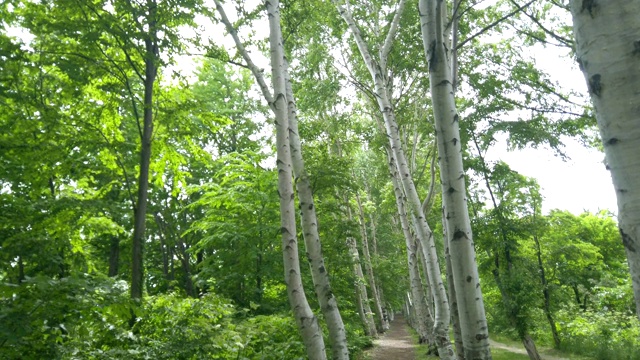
point(393, 30)
point(493, 24)
point(257, 72)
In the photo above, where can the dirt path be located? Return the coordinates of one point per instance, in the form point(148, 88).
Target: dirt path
point(521, 350)
point(396, 343)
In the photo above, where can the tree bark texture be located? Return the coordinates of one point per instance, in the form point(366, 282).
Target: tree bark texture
point(378, 71)
point(608, 52)
point(305, 318)
point(473, 320)
point(451, 290)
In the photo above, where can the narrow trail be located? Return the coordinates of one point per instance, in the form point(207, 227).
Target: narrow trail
point(396, 343)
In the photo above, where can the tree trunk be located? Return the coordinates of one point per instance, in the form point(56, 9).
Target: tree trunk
point(473, 320)
point(384, 326)
point(530, 346)
point(319, 272)
point(608, 49)
point(378, 72)
point(185, 259)
point(114, 255)
point(305, 318)
point(545, 293)
point(21, 276)
point(140, 212)
point(455, 317)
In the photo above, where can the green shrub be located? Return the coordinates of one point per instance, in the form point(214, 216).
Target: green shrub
point(605, 335)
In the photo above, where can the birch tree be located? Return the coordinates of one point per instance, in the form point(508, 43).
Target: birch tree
point(278, 102)
point(473, 322)
point(319, 273)
point(378, 72)
point(607, 49)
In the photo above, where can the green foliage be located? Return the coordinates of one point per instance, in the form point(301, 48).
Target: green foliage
point(603, 335)
point(46, 318)
point(85, 317)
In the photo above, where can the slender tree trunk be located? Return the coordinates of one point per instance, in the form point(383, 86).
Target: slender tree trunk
point(379, 76)
point(361, 281)
point(608, 49)
point(114, 255)
point(530, 346)
point(361, 290)
point(21, 276)
point(417, 292)
point(473, 320)
point(384, 326)
point(374, 237)
point(319, 272)
point(545, 294)
point(140, 212)
point(185, 259)
point(305, 318)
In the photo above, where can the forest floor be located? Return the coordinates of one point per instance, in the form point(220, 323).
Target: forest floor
point(399, 343)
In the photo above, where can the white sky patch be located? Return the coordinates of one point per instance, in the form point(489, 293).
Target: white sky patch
point(579, 184)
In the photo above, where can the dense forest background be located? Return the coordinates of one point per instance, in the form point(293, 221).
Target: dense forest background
point(139, 173)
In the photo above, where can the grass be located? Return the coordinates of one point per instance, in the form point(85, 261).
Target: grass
point(501, 354)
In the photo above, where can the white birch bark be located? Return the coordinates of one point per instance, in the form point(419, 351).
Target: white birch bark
point(475, 334)
point(319, 272)
point(384, 326)
point(451, 291)
point(378, 76)
point(608, 51)
point(305, 318)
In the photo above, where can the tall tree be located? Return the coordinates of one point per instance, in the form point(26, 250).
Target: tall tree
point(473, 321)
point(607, 49)
point(283, 108)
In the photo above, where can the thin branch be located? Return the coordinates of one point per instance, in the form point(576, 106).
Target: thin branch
point(257, 72)
point(393, 30)
point(493, 24)
point(565, 41)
